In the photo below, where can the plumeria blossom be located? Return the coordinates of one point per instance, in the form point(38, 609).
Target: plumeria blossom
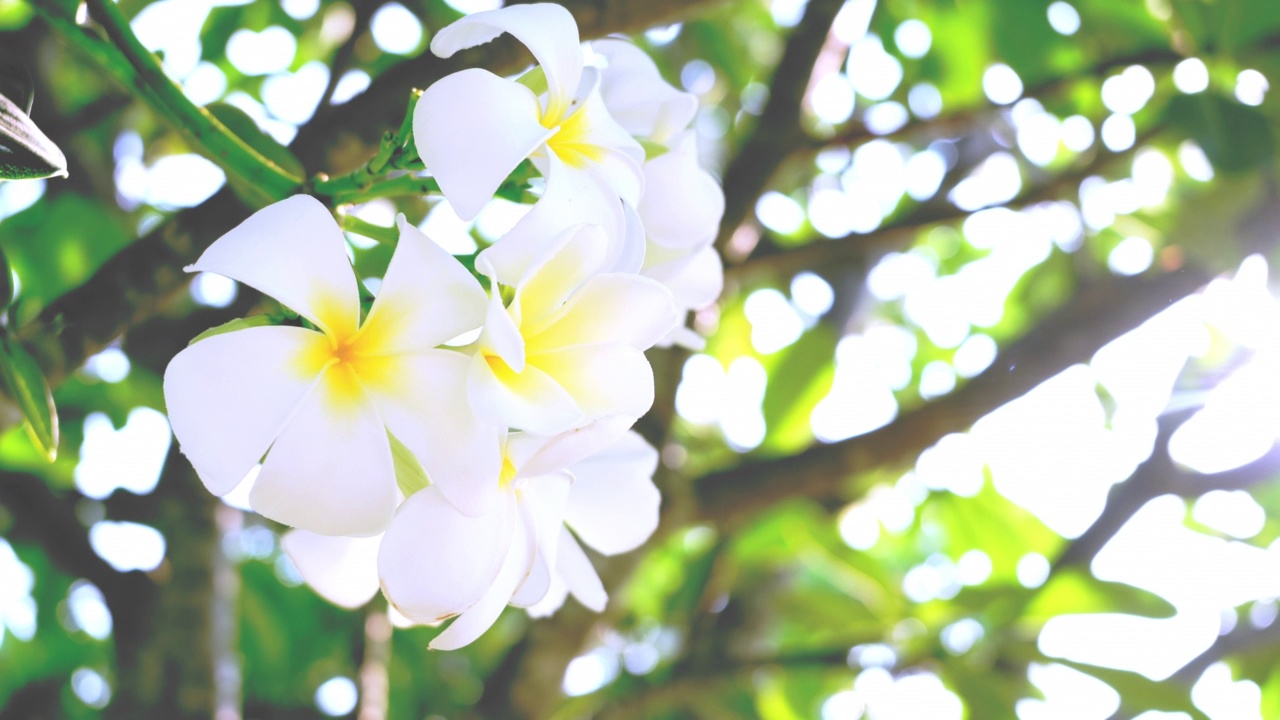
point(683, 204)
point(568, 347)
point(613, 507)
point(320, 403)
point(435, 562)
point(472, 128)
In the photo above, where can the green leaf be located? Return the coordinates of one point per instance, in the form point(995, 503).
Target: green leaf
point(410, 475)
point(6, 281)
point(652, 149)
point(25, 152)
point(239, 122)
point(1235, 137)
point(535, 80)
point(25, 384)
point(232, 326)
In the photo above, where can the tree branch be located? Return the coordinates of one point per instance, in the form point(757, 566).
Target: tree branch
point(1072, 334)
point(778, 131)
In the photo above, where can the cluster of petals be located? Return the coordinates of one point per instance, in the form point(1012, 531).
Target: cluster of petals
point(462, 479)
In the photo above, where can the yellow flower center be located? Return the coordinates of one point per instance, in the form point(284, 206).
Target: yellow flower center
point(570, 144)
point(351, 359)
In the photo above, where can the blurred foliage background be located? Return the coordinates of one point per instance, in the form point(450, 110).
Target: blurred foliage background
point(984, 428)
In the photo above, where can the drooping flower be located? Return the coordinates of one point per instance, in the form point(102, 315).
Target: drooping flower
point(319, 403)
point(613, 507)
point(569, 346)
point(683, 203)
point(472, 128)
point(435, 562)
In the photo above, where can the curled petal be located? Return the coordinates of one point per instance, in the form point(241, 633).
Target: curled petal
point(614, 504)
point(552, 601)
point(342, 570)
point(435, 562)
point(699, 282)
point(543, 500)
point(604, 379)
point(427, 297)
point(611, 308)
point(530, 400)
point(481, 616)
point(429, 411)
point(330, 471)
point(544, 455)
point(472, 128)
point(683, 203)
point(293, 251)
point(637, 96)
point(501, 340)
point(574, 196)
point(575, 569)
point(548, 30)
point(228, 396)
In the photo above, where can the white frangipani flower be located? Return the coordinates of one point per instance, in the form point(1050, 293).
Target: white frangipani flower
point(319, 404)
point(613, 507)
point(435, 562)
point(569, 346)
point(683, 203)
point(472, 128)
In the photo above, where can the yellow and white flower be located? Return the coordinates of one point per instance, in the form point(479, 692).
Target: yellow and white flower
point(319, 403)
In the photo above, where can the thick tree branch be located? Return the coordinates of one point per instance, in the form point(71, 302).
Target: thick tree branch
point(1072, 334)
point(778, 132)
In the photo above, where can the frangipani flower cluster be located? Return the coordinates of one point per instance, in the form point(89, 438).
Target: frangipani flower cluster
point(464, 479)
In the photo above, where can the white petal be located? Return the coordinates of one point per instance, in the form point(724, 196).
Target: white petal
point(229, 395)
point(436, 562)
point(552, 601)
point(559, 452)
point(342, 570)
point(429, 411)
point(637, 96)
point(293, 251)
point(501, 337)
point(574, 196)
point(530, 400)
point(481, 616)
point(611, 308)
point(330, 471)
point(472, 128)
point(426, 298)
point(605, 379)
point(635, 244)
point(550, 282)
point(683, 203)
point(575, 569)
point(622, 156)
point(543, 499)
point(696, 281)
point(613, 506)
point(549, 31)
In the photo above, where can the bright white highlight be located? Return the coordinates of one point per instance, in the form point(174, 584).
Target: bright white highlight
point(1001, 84)
point(1132, 256)
point(130, 458)
point(1251, 87)
point(395, 29)
point(127, 546)
point(1063, 18)
point(1191, 76)
point(337, 696)
point(261, 53)
point(913, 38)
point(1119, 133)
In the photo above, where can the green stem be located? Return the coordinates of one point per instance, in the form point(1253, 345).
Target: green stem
point(385, 235)
point(219, 143)
point(403, 186)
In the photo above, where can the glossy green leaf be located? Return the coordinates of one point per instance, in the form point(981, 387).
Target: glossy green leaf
point(25, 385)
point(25, 152)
